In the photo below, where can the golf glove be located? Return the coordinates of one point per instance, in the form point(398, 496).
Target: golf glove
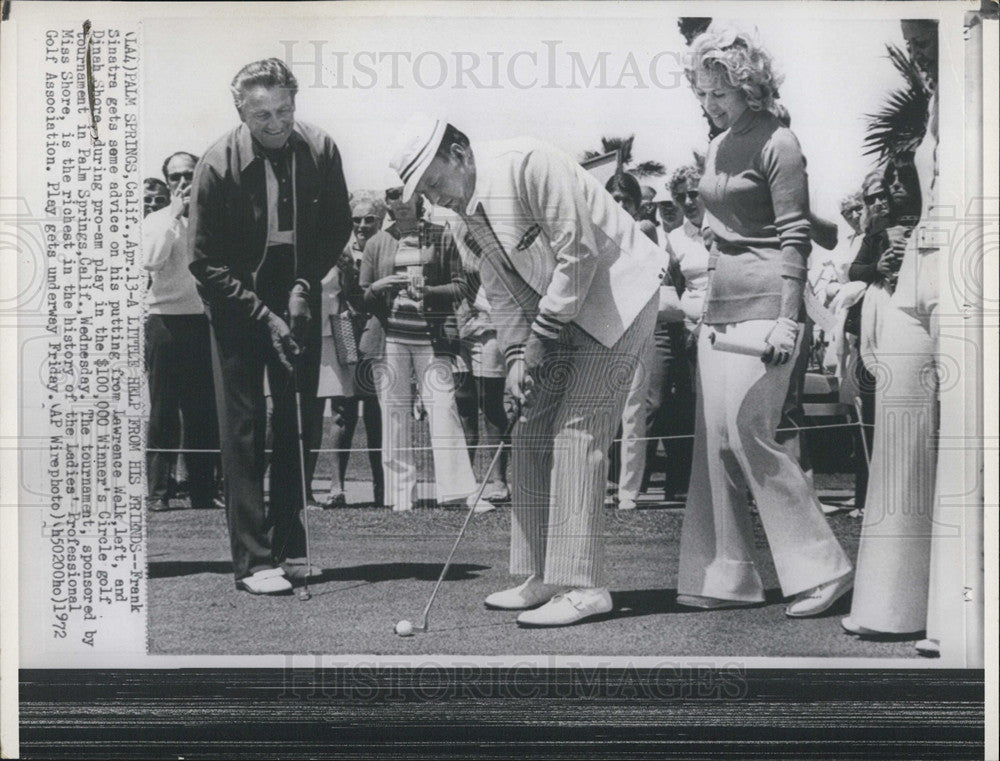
point(781, 341)
point(281, 339)
point(299, 314)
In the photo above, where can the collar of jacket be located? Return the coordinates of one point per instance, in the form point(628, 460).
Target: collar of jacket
point(249, 149)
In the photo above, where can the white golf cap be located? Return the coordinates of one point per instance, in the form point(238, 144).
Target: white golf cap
point(414, 149)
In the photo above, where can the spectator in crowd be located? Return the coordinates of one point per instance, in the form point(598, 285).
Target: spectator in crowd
point(347, 381)
point(628, 467)
point(411, 276)
point(546, 237)
point(871, 269)
point(842, 357)
point(671, 389)
point(155, 195)
point(647, 208)
point(177, 351)
point(487, 382)
point(671, 216)
point(269, 218)
point(756, 197)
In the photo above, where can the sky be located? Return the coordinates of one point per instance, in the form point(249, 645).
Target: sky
point(502, 77)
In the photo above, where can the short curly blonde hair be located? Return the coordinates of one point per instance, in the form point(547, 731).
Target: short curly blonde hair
point(740, 60)
point(686, 174)
point(373, 197)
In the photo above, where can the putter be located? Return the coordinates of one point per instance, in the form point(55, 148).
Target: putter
point(304, 591)
point(422, 626)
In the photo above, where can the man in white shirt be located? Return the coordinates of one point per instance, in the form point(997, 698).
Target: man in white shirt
point(178, 353)
point(572, 281)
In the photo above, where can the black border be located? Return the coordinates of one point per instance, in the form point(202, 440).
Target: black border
point(376, 711)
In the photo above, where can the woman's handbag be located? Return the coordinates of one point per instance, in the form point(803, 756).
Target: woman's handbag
point(345, 338)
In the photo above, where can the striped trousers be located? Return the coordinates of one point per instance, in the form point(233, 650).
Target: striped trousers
point(559, 461)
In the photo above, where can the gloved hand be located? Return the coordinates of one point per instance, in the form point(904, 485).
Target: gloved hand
point(299, 313)
point(781, 341)
point(281, 339)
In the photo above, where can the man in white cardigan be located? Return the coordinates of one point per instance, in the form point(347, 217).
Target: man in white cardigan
point(572, 281)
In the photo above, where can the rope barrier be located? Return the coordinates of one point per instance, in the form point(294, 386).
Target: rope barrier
point(493, 446)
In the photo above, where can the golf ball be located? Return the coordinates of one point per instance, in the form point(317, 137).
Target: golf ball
point(404, 628)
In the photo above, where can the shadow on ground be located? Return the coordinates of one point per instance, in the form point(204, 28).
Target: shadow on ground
point(371, 572)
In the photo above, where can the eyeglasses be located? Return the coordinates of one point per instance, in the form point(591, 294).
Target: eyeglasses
point(178, 176)
point(156, 200)
point(691, 195)
point(368, 220)
point(873, 197)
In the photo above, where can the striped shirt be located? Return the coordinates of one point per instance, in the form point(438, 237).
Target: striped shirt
point(407, 323)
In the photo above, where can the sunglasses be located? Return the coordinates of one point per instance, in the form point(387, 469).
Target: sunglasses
point(368, 220)
point(393, 194)
point(178, 176)
point(153, 200)
point(873, 197)
point(691, 195)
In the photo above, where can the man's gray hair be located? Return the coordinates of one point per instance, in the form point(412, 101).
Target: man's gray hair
point(270, 72)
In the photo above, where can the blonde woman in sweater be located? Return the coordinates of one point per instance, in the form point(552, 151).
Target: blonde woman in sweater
point(756, 197)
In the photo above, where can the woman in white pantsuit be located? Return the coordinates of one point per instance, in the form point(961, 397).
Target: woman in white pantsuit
point(756, 196)
point(898, 588)
point(411, 274)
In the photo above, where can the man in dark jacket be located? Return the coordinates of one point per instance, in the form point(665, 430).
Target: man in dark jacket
point(269, 217)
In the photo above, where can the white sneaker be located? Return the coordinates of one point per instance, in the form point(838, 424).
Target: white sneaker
point(568, 608)
point(270, 581)
point(626, 504)
point(527, 595)
point(814, 601)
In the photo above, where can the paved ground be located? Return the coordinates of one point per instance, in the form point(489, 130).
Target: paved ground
point(380, 567)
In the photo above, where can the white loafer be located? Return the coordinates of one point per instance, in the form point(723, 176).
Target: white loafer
point(530, 594)
point(270, 581)
point(814, 601)
point(568, 608)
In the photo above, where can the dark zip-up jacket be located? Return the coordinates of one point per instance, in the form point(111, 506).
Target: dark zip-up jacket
point(228, 212)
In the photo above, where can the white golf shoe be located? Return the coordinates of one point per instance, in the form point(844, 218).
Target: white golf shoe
point(270, 581)
point(568, 608)
point(530, 594)
point(819, 599)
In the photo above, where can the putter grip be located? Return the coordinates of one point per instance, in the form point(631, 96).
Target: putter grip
point(751, 348)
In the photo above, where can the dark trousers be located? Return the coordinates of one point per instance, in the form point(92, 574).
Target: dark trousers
point(179, 367)
point(474, 393)
point(262, 536)
point(345, 420)
point(670, 402)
